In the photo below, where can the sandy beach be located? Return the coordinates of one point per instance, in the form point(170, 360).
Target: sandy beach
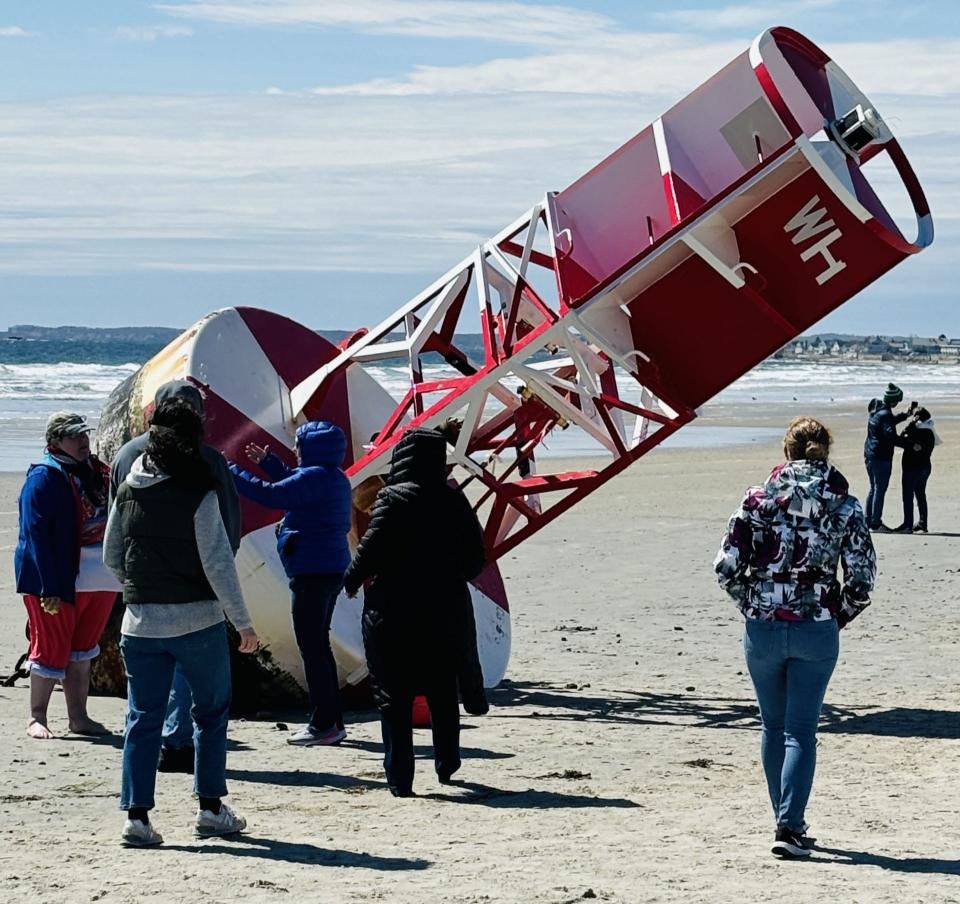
point(620, 760)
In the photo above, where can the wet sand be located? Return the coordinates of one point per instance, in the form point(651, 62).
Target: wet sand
point(620, 760)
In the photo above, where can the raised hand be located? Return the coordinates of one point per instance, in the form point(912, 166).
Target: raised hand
point(256, 453)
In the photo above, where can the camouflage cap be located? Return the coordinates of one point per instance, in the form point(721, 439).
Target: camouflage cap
point(66, 423)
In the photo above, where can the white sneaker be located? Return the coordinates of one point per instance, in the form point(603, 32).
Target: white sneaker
point(226, 822)
point(140, 834)
point(310, 737)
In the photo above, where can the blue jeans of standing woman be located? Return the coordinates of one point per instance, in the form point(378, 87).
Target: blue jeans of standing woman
point(178, 727)
point(204, 659)
point(314, 597)
point(790, 664)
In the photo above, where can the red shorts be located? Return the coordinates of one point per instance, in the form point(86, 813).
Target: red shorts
point(72, 635)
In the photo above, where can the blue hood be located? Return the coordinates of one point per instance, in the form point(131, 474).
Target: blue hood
point(321, 444)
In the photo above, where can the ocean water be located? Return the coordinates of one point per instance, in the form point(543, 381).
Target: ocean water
point(31, 390)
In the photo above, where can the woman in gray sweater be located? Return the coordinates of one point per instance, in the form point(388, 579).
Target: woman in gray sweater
point(166, 542)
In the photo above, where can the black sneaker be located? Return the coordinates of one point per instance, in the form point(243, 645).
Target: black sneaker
point(921, 528)
point(902, 529)
point(789, 844)
point(881, 528)
point(176, 759)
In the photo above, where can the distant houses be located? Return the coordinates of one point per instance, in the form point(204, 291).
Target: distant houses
point(927, 349)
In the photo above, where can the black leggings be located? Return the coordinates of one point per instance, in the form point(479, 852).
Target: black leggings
point(915, 486)
point(397, 728)
point(314, 596)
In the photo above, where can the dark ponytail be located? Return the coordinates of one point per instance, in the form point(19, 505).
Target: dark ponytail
point(173, 446)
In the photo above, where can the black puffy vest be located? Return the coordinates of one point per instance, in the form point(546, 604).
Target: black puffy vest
point(160, 557)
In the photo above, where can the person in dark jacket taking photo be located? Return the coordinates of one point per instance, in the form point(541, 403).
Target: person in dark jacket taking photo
point(919, 439)
point(878, 449)
point(312, 544)
point(422, 546)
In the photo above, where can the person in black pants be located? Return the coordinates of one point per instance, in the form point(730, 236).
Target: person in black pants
point(422, 546)
point(312, 544)
point(919, 438)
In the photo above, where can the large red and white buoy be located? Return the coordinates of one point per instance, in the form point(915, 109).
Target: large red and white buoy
point(733, 223)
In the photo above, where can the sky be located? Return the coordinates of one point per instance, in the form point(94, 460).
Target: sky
point(329, 159)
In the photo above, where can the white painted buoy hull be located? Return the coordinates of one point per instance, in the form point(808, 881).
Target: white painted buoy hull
point(245, 361)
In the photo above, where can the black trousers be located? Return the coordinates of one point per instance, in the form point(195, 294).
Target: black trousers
point(396, 725)
point(313, 599)
point(915, 485)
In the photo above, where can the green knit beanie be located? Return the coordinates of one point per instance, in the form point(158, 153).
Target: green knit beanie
point(893, 395)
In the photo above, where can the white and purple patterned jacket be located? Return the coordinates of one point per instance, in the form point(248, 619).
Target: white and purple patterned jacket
point(779, 557)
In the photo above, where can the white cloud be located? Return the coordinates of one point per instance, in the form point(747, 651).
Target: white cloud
point(151, 33)
point(668, 65)
point(407, 183)
point(510, 22)
point(746, 15)
point(265, 183)
point(652, 65)
point(13, 31)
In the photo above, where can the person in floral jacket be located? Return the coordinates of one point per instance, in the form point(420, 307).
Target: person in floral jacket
point(779, 561)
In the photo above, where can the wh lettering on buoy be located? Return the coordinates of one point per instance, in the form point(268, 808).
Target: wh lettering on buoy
point(808, 223)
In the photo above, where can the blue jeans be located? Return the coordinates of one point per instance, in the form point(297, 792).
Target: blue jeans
point(879, 474)
point(790, 664)
point(204, 659)
point(313, 599)
point(178, 727)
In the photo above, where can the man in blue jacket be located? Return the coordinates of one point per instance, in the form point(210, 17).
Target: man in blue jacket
point(878, 448)
point(312, 544)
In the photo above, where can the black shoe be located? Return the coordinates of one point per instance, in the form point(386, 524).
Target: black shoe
point(176, 759)
point(401, 792)
point(447, 775)
point(921, 528)
point(881, 528)
point(789, 844)
point(902, 529)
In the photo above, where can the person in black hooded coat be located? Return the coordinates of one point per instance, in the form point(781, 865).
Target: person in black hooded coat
point(422, 545)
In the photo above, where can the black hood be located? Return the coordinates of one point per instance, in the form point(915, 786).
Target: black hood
point(419, 458)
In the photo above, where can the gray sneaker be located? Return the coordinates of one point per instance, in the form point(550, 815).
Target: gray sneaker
point(310, 737)
point(140, 834)
point(226, 822)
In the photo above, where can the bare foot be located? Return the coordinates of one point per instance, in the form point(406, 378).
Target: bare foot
point(89, 728)
point(39, 730)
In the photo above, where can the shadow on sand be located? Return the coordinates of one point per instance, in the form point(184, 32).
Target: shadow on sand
point(528, 799)
point(690, 710)
point(895, 864)
point(110, 740)
point(303, 779)
point(426, 750)
point(294, 852)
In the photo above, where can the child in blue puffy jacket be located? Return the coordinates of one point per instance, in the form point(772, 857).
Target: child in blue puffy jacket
point(312, 543)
